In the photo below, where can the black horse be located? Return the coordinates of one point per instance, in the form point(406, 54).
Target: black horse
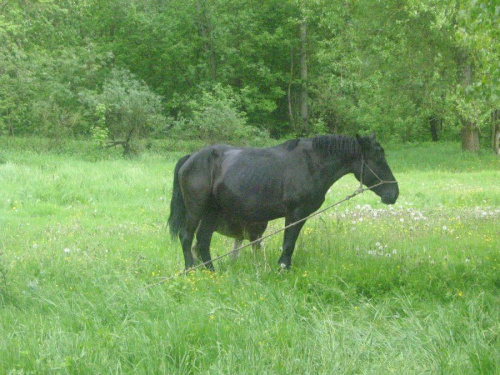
point(238, 190)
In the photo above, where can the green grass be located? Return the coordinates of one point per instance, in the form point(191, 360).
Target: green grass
point(407, 289)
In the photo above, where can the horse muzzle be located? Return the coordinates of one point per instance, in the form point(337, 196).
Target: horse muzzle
point(390, 198)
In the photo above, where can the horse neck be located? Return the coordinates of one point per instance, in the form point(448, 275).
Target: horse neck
point(333, 167)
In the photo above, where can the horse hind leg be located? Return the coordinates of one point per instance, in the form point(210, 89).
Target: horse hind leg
point(196, 251)
point(203, 240)
point(186, 236)
point(235, 252)
point(256, 233)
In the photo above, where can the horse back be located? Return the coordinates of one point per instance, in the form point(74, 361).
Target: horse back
point(262, 184)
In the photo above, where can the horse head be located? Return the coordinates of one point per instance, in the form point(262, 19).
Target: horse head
point(373, 171)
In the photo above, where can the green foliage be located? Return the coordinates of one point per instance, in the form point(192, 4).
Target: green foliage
point(126, 107)
point(216, 117)
point(387, 66)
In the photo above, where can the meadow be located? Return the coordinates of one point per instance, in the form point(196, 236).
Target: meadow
point(411, 288)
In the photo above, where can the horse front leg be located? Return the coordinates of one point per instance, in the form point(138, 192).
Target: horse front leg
point(289, 240)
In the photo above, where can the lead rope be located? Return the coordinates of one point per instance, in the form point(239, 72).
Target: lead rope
point(358, 191)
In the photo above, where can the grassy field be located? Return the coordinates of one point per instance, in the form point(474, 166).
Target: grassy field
point(407, 289)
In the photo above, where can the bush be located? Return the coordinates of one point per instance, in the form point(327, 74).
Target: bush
point(216, 117)
point(125, 110)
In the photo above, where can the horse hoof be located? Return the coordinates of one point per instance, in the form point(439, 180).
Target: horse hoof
point(283, 267)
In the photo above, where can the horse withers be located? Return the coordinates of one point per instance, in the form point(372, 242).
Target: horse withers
point(237, 190)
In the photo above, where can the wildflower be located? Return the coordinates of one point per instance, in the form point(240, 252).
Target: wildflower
point(67, 250)
point(445, 228)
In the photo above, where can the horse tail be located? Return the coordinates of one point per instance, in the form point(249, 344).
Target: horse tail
point(177, 217)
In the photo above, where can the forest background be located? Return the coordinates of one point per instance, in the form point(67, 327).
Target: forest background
point(233, 70)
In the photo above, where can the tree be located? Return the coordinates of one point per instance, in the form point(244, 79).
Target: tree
point(411, 70)
point(495, 131)
point(473, 30)
point(129, 107)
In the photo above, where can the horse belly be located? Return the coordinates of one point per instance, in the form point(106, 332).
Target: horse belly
point(251, 204)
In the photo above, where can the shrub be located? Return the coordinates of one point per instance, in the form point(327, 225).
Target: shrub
point(216, 117)
point(126, 109)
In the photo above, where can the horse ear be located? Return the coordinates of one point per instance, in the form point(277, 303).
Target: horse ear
point(364, 143)
point(361, 141)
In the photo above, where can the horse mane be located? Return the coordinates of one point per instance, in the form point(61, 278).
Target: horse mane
point(336, 145)
point(291, 144)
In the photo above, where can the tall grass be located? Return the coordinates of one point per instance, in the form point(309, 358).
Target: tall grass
point(407, 289)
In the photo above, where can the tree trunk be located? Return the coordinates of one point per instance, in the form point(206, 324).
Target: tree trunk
point(290, 106)
point(435, 123)
point(207, 36)
point(470, 137)
point(304, 109)
point(495, 131)
point(470, 132)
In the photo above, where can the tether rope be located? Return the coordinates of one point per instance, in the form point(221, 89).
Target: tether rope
point(358, 191)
